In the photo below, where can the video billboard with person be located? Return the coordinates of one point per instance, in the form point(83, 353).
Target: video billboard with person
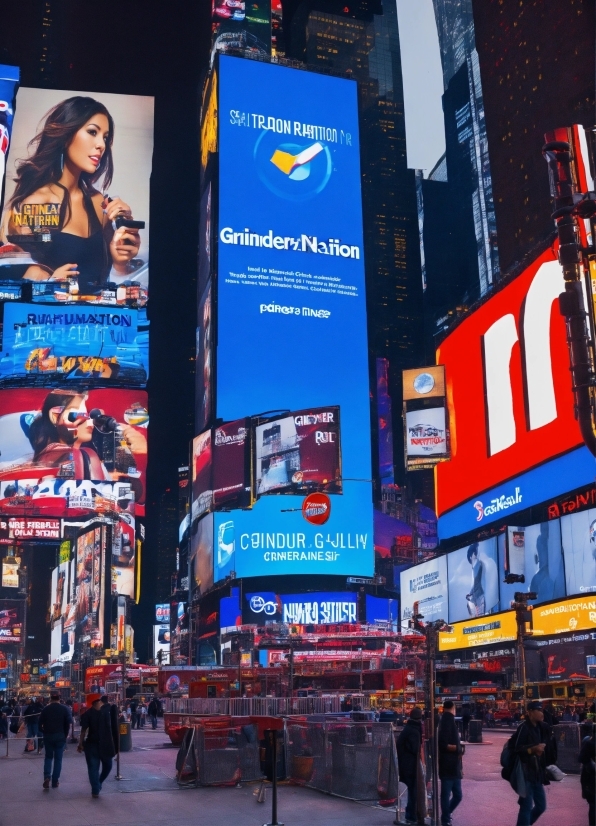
point(543, 572)
point(473, 575)
point(86, 613)
point(49, 436)
point(578, 535)
point(76, 209)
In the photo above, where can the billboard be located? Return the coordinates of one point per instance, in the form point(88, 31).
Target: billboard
point(202, 483)
point(162, 614)
point(291, 305)
point(14, 529)
point(426, 432)
point(384, 424)
point(543, 569)
point(62, 617)
point(49, 436)
point(161, 644)
point(231, 465)
point(87, 611)
point(40, 348)
point(11, 622)
point(201, 545)
point(240, 25)
point(382, 611)
point(473, 633)
point(576, 614)
point(515, 441)
point(204, 361)
point(473, 574)
point(123, 556)
point(93, 249)
point(427, 585)
point(70, 498)
point(9, 79)
point(578, 534)
point(299, 453)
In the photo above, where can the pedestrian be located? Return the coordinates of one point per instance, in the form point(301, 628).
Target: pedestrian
point(133, 713)
point(466, 716)
point(143, 713)
point(450, 762)
point(54, 724)
point(536, 749)
point(153, 710)
point(587, 756)
point(3, 724)
point(408, 756)
point(98, 740)
point(31, 715)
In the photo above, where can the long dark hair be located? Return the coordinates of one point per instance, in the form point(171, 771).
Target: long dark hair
point(45, 164)
point(42, 431)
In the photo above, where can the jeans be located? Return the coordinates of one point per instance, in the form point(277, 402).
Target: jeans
point(412, 804)
point(532, 805)
point(450, 798)
point(32, 728)
point(153, 721)
point(592, 812)
point(93, 763)
point(54, 746)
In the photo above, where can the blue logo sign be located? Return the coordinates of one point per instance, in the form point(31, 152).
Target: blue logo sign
point(291, 170)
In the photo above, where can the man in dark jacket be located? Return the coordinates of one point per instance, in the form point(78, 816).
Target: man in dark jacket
point(54, 724)
point(133, 714)
point(536, 749)
point(587, 756)
point(153, 710)
point(450, 764)
point(99, 740)
point(31, 715)
point(408, 756)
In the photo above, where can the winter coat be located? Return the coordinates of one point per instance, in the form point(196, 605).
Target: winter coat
point(588, 775)
point(450, 767)
point(408, 750)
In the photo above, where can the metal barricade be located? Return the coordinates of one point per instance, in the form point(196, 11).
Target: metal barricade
point(568, 745)
point(357, 761)
point(221, 755)
point(253, 706)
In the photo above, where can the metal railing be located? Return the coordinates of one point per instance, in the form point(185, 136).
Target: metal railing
point(224, 756)
point(254, 706)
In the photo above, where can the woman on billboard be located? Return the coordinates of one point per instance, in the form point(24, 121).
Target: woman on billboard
point(72, 231)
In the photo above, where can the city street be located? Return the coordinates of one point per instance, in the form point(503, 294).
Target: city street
point(148, 795)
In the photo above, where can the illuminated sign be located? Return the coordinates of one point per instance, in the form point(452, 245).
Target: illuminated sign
point(291, 317)
point(427, 585)
point(492, 629)
point(10, 573)
point(29, 529)
point(577, 614)
point(162, 614)
point(319, 609)
point(9, 79)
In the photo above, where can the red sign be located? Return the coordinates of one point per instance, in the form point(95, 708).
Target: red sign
point(316, 508)
point(30, 528)
point(508, 384)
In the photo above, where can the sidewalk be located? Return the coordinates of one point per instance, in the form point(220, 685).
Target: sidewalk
point(149, 795)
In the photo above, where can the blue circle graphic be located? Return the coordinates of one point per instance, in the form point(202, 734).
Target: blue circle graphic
point(293, 171)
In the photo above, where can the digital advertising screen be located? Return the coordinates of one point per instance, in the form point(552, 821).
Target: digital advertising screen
point(69, 498)
point(426, 434)
point(123, 556)
point(202, 468)
point(231, 465)
point(201, 544)
point(261, 607)
point(112, 158)
point(11, 622)
point(162, 614)
point(291, 306)
point(578, 535)
point(299, 453)
point(9, 79)
point(382, 611)
point(240, 24)
point(473, 573)
point(49, 436)
point(62, 619)
point(204, 361)
point(326, 608)
point(161, 643)
point(427, 585)
point(511, 406)
point(90, 584)
point(576, 614)
point(473, 633)
point(543, 567)
point(41, 348)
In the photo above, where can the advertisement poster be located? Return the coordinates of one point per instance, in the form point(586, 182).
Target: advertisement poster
point(9, 78)
point(240, 25)
point(48, 436)
point(42, 346)
point(543, 568)
point(291, 304)
point(300, 453)
point(161, 644)
point(10, 573)
point(578, 534)
point(123, 556)
point(473, 574)
point(62, 618)
point(162, 614)
point(231, 465)
point(11, 622)
point(87, 612)
point(426, 432)
point(12, 529)
point(107, 151)
point(201, 544)
point(427, 585)
point(497, 628)
point(516, 551)
point(576, 614)
point(382, 611)
point(202, 483)
point(204, 361)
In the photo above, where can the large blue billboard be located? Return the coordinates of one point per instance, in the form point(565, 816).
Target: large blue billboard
point(290, 228)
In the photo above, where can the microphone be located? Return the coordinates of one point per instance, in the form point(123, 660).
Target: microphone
point(102, 422)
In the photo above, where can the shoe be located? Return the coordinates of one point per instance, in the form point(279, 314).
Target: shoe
point(94, 795)
point(46, 783)
point(56, 784)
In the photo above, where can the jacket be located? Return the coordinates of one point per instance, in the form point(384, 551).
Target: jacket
point(55, 719)
point(408, 750)
point(450, 764)
point(533, 765)
point(588, 775)
point(107, 729)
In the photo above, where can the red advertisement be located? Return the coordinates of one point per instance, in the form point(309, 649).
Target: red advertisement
point(202, 485)
point(231, 468)
point(299, 453)
point(11, 529)
point(51, 436)
point(509, 392)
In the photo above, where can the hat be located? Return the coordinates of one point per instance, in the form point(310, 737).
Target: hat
point(92, 698)
point(416, 714)
point(534, 705)
point(105, 698)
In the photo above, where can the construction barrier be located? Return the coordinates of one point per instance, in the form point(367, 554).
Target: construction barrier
point(568, 739)
point(219, 754)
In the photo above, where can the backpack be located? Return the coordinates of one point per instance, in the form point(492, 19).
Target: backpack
point(508, 756)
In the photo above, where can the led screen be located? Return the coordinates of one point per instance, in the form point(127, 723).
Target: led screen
point(381, 611)
point(202, 553)
point(202, 483)
point(426, 432)
point(60, 443)
point(86, 613)
point(231, 464)
point(204, 361)
point(161, 644)
point(11, 622)
point(517, 442)
point(62, 619)
point(162, 614)
point(543, 568)
point(291, 306)
point(578, 533)
point(123, 556)
point(473, 580)
point(427, 585)
point(39, 229)
point(45, 345)
point(299, 453)
point(9, 78)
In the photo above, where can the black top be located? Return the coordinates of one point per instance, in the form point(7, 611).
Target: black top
point(587, 756)
point(450, 767)
point(408, 750)
point(91, 721)
point(55, 719)
point(33, 708)
point(102, 725)
point(529, 735)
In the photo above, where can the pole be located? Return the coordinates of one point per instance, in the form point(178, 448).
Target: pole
point(432, 649)
point(272, 735)
point(123, 689)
